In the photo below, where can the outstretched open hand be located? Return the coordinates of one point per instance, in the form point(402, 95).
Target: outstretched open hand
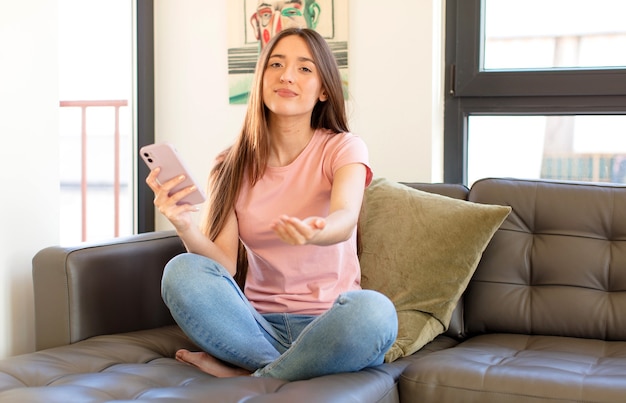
point(294, 231)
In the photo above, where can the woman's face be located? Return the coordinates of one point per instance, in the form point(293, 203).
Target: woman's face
point(291, 81)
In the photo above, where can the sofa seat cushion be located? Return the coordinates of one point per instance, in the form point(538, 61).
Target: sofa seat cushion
point(519, 368)
point(132, 366)
point(138, 367)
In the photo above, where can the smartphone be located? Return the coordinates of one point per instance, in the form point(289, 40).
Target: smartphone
point(165, 156)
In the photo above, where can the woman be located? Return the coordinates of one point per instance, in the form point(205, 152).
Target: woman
point(289, 190)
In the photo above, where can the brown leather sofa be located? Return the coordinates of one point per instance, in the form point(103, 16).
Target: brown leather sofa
point(543, 318)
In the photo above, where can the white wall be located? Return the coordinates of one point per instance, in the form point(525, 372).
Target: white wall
point(395, 83)
point(29, 160)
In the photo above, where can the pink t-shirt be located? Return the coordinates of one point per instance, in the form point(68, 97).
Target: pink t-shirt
point(303, 279)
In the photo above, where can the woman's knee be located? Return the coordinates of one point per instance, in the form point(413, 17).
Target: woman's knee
point(177, 269)
point(370, 302)
point(174, 274)
point(183, 271)
point(371, 310)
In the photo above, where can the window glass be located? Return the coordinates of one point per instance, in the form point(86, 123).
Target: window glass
point(96, 119)
point(554, 34)
point(573, 147)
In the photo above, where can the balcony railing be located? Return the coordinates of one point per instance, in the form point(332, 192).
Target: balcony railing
point(586, 167)
point(84, 180)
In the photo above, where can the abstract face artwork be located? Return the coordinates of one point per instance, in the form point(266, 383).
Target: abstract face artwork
point(273, 16)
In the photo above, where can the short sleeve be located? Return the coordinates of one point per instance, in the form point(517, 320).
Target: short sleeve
point(349, 149)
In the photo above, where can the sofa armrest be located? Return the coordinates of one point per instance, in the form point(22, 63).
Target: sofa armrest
point(101, 288)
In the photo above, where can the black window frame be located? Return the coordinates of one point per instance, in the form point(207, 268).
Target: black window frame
point(145, 110)
point(472, 91)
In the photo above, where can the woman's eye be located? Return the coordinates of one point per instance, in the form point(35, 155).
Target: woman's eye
point(275, 64)
point(307, 70)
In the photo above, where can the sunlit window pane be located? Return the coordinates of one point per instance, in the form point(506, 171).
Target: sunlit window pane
point(96, 119)
point(553, 34)
point(581, 148)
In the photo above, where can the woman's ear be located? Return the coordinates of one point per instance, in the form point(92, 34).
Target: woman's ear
point(323, 96)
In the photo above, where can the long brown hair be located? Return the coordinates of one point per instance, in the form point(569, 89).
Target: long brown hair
point(250, 151)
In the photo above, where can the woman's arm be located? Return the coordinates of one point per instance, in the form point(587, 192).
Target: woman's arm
point(223, 250)
point(345, 205)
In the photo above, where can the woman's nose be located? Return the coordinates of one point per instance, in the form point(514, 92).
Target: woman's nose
point(286, 77)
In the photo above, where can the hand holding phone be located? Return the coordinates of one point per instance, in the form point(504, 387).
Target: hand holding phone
point(165, 156)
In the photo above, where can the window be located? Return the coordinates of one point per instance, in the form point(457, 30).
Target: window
point(555, 34)
point(535, 89)
point(96, 127)
point(101, 120)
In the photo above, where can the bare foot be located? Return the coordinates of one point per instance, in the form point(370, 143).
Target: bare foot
point(209, 364)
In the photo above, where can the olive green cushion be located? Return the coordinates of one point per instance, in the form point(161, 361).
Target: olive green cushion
point(421, 249)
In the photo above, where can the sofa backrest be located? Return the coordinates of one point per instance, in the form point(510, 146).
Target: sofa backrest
point(556, 266)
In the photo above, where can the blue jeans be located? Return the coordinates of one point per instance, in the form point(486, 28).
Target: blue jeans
point(210, 308)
